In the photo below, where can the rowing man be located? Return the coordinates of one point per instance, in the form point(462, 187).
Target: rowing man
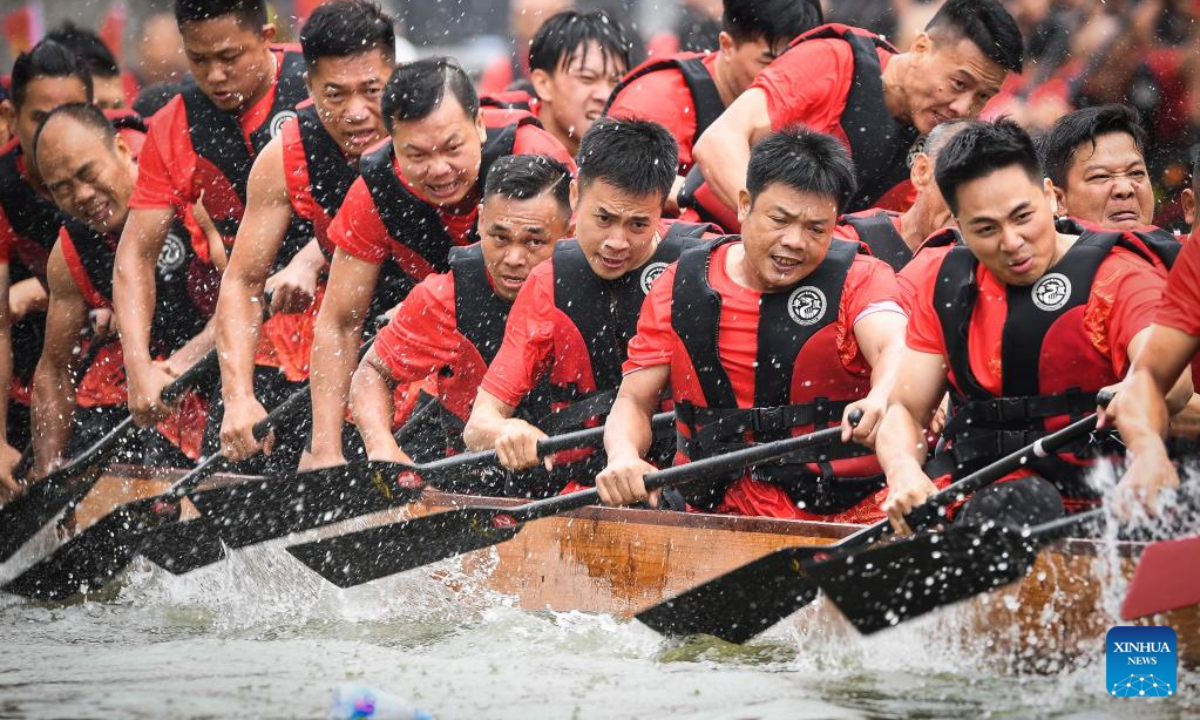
point(295, 189)
point(571, 322)
point(451, 324)
point(778, 332)
point(1023, 323)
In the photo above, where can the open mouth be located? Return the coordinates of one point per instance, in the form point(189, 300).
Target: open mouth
point(612, 263)
point(512, 282)
point(443, 191)
point(363, 137)
point(1021, 266)
point(783, 265)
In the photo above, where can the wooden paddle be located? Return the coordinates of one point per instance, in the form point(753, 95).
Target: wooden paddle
point(90, 559)
point(358, 557)
point(43, 500)
point(1166, 579)
point(878, 588)
point(744, 602)
point(261, 510)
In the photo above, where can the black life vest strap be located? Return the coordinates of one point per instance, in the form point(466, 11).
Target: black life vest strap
point(879, 143)
point(881, 235)
point(715, 431)
point(329, 174)
point(290, 90)
point(954, 298)
point(409, 220)
point(573, 416)
point(705, 97)
point(34, 219)
point(481, 314)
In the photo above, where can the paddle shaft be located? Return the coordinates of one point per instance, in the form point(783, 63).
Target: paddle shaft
point(586, 437)
point(679, 474)
point(928, 513)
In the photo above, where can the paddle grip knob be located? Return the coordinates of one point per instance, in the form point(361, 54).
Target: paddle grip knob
point(1105, 396)
point(856, 417)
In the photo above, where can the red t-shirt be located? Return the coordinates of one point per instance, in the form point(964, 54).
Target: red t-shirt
point(359, 231)
point(423, 338)
point(1181, 303)
point(809, 85)
point(663, 96)
point(167, 169)
point(540, 338)
point(1124, 300)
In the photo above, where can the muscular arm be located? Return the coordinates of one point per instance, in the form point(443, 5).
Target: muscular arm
point(240, 305)
point(373, 404)
point(9, 456)
point(335, 353)
point(133, 305)
point(880, 336)
point(627, 436)
point(900, 444)
point(53, 381)
point(723, 151)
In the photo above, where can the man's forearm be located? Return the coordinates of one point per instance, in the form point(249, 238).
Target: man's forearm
point(901, 442)
point(53, 411)
point(1144, 416)
point(627, 431)
point(334, 356)
point(373, 406)
point(134, 281)
point(195, 349)
point(239, 320)
point(723, 157)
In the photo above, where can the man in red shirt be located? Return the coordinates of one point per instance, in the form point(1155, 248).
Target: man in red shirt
point(573, 318)
point(1023, 324)
point(44, 78)
point(575, 61)
point(296, 188)
point(893, 236)
point(686, 92)
point(199, 151)
point(417, 197)
point(89, 166)
point(779, 332)
point(451, 325)
point(854, 86)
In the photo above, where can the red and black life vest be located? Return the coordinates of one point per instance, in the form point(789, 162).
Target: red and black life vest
point(799, 384)
point(413, 222)
point(35, 220)
point(1052, 372)
point(705, 98)
point(878, 232)
point(330, 176)
point(181, 291)
point(218, 142)
point(606, 313)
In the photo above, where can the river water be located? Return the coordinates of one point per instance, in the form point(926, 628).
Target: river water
point(259, 636)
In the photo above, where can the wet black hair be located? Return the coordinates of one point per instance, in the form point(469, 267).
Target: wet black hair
point(85, 114)
point(252, 14)
point(416, 89)
point(804, 160)
point(569, 31)
point(346, 27)
point(47, 59)
point(154, 97)
point(986, 24)
point(775, 21)
point(88, 46)
point(981, 149)
point(1058, 147)
point(639, 157)
point(520, 177)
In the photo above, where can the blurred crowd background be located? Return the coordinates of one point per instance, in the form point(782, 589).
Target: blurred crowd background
point(1142, 53)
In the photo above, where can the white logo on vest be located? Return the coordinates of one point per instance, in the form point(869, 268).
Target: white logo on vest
point(806, 305)
point(278, 121)
point(174, 252)
point(1052, 292)
point(650, 274)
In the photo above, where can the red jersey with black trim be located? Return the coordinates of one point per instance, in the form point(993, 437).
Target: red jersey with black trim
point(172, 175)
point(809, 84)
point(664, 97)
point(359, 231)
point(870, 285)
point(1181, 302)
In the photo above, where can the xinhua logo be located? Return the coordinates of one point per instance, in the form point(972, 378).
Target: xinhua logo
point(1141, 661)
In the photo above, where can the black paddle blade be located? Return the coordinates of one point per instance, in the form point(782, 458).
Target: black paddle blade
point(268, 508)
point(879, 588)
point(41, 502)
point(91, 559)
point(740, 604)
point(359, 557)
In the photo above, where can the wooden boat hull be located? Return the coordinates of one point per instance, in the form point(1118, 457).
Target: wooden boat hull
point(620, 561)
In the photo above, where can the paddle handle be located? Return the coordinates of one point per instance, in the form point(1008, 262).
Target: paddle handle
point(679, 474)
point(195, 374)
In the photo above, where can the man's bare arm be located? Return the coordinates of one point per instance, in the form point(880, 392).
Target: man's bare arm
point(627, 436)
point(373, 405)
point(723, 151)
